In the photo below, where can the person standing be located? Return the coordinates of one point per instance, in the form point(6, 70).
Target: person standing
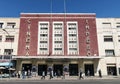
point(43, 75)
point(100, 74)
point(81, 75)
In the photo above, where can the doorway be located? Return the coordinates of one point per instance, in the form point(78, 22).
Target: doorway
point(41, 68)
point(73, 69)
point(89, 69)
point(58, 69)
point(26, 67)
point(111, 70)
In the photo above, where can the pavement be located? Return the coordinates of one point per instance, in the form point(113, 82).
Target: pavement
point(60, 78)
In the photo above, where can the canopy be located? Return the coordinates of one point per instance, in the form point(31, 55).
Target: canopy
point(6, 64)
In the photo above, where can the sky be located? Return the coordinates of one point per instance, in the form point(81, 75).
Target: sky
point(102, 8)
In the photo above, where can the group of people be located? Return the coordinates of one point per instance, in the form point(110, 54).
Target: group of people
point(51, 74)
point(88, 74)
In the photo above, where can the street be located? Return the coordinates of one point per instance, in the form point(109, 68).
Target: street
point(96, 81)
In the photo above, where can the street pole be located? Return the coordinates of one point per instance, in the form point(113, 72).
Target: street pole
point(9, 51)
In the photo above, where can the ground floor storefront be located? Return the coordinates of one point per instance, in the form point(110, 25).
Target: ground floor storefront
point(89, 66)
point(71, 66)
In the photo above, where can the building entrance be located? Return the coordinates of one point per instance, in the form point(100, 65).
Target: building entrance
point(58, 69)
point(111, 70)
point(26, 67)
point(73, 69)
point(41, 68)
point(89, 69)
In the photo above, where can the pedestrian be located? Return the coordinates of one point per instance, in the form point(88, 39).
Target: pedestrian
point(51, 75)
point(81, 75)
point(100, 74)
point(63, 75)
point(88, 73)
point(43, 75)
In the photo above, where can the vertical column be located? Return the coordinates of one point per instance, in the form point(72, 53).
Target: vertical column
point(65, 38)
point(50, 37)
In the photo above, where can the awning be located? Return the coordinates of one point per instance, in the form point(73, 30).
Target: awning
point(6, 64)
point(56, 57)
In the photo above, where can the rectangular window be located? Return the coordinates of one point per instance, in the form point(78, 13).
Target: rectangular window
point(8, 51)
point(72, 35)
point(109, 53)
point(43, 48)
point(43, 41)
point(118, 25)
point(58, 48)
point(11, 25)
point(108, 39)
point(43, 35)
point(58, 41)
point(58, 35)
point(1, 25)
point(72, 41)
point(9, 39)
point(0, 38)
point(106, 24)
point(119, 38)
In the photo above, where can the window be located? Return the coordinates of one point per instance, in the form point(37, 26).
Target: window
point(72, 41)
point(43, 48)
point(9, 38)
point(119, 38)
point(1, 25)
point(58, 41)
point(43, 41)
point(109, 52)
point(58, 48)
point(43, 35)
point(118, 25)
point(106, 24)
point(8, 51)
point(108, 39)
point(58, 34)
point(72, 35)
point(0, 38)
point(11, 25)
point(72, 48)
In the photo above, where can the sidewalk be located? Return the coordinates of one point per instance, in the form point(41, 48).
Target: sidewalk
point(67, 78)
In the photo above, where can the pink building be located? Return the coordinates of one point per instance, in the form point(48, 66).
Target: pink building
point(58, 41)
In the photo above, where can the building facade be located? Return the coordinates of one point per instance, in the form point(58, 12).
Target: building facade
point(9, 32)
point(61, 42)
point(108, 32)
point(58, 41)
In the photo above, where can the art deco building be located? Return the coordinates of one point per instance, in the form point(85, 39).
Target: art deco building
point(58, 41)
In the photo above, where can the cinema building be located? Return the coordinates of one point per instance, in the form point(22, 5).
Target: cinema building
point(59, 42)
